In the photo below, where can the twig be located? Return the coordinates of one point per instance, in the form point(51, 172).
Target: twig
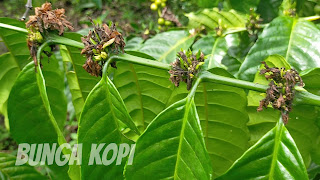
point(28, 8)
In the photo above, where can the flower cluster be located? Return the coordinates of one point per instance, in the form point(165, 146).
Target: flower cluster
point(47, 19)
point(99, 44)
point(186, 67)
point(281, 89)
point(44, 19)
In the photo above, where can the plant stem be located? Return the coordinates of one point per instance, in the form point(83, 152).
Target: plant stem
point(302, 97)
point(209, 77)
point(65, 41)
point(135, 60)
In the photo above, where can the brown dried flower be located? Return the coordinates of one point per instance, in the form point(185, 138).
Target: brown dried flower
point(186, 67)
point(46, 18)
point(281, 91)
point(99, 44)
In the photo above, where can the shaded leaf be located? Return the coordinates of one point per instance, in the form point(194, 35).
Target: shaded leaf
point(13, 172)
point(80, 82)
point(274, 156)
point(15, 41)
point(103, 119)
point(244, 6)
point(8, 74)
point(39, 107)
point(269, 9)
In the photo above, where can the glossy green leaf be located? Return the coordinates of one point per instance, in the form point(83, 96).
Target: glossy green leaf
point(164, 46)
point(219, 51)
point(244, 6)
point(223, 120)
point(210, 19)
point(213, 48)
point(102, 120)
point(172, 147)
point(296, 40)
point(16, 41)
point(32, 95)
point(274, 156)
point(37, 106)
point(12, 172)
point(8, 74)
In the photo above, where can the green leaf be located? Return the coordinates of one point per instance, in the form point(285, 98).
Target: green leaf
point(219, 51)
point(103, 118)
point(80, 82)
point(288, 37)
point(164, 46)
point(210, 19)
point(16, 41)
point(172, 147)
point(134, 44)
point(38, 107)
point(269, 9)
point(29, 97)
point(8, 169)
point(223, 120)
point(311, 79)
point(213, 48)
point(244, 6)
point(274, 156)
point(145, 91)
point(207, 3)
point(9, 71)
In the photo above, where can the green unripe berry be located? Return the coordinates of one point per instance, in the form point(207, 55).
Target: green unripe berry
point(168, 23)
point(158, 2)
point(163, 4)
point(160, 27)
point(153, 7)
point(161, 21)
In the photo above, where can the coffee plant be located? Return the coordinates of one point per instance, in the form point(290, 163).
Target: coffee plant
point(234, 94)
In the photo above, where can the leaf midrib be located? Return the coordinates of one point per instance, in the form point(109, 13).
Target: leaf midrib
point(278, 136)
point(290, 38)
point(213, 50)
point(135, 76)
point(184, 122)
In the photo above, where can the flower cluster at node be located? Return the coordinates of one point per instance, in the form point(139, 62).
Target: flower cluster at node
point(99, 45)
point(281, 89)
point(186, 67)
